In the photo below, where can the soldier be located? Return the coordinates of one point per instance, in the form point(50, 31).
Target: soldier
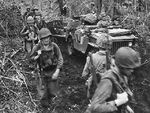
point(99, 61)
point(39, 21)
point(50, 61)
point(29, 32)
point(113, 92)
point(26, 13)
point(33, 11)
point(93, 8)
point(104, 20)
point(22, 7)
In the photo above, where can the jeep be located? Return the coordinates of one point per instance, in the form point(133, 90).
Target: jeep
point(120, 38)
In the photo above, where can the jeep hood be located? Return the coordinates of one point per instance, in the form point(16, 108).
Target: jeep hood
point(116, 35)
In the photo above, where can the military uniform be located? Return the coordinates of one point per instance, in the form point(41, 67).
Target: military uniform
point(92, 8)
point(41, 24)
point(113, 93)
point(30, 36)
point(49, 61)
point(99, 60)
point(104, 20)
point(106, 92)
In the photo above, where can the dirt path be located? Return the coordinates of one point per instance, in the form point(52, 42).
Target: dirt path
point(72, 92)
point(72, 85)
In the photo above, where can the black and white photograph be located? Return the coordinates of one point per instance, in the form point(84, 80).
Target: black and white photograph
point(74, 56)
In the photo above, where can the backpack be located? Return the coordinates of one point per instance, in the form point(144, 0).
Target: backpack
point(48, 59)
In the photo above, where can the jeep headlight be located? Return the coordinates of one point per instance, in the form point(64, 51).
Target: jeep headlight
point(130, 44)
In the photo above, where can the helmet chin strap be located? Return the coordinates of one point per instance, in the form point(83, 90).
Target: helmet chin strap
point(47, 44)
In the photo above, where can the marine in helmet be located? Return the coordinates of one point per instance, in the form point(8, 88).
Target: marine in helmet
point(104, 20)
point(28, 9)
point(39, 21)
point(29, 33)
point(113, 92)
point(99, 61)
point(50, 61)
point(31, 12)
point(92, 8)
point(34, 11)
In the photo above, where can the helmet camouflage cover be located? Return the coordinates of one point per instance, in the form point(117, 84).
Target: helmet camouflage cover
point(30, 20)
point(92, 3)
point(104, 41)
point(44, 32)
point(101, 24)
point(126, 57)
point(87, 30)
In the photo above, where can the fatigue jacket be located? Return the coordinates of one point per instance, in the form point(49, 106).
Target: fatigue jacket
point(32, 35)
point(50, 59)
point(99, 61)
point(107, 91)
point(41, 24)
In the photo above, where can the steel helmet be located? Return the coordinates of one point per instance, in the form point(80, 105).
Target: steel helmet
point(87, 30)
point(126, 57)
point(103, 14)
point(38, 13)
point(28, 8)
point(92, 3)
point(36, 8)
point(102, 24)
point(104, 41)
point(44, 32)
point(30, 20)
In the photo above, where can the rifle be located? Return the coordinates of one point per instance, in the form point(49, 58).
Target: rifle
point(93, 70)
point(107, 53)
point(39, 78)
point(107, 60)
point(94, 77)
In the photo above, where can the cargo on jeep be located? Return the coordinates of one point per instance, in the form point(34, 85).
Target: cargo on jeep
point(119, 37)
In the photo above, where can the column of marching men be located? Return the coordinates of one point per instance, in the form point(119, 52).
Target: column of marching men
point(46, 54)
point(111, 92)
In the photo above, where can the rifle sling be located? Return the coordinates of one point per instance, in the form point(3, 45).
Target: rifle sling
point(93, 70)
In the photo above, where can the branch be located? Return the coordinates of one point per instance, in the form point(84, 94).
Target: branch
point(8, 88)
point(4, 29)
point(24, 80)
point(15, 52)
point(3, 61)
point(125, 18)
point(30, 94)
point(13, 79)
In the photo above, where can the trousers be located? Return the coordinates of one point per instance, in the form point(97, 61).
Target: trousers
point(50, 89)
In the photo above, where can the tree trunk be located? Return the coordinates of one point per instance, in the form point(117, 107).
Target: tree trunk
point(111, 8)
point(99, 6)
point(61, 6)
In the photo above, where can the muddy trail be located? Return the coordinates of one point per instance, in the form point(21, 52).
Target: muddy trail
point(18, 92)
point(19, 78)
point(72, 96)
point(72, 92)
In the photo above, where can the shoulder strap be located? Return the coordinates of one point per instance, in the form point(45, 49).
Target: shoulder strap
point(117, 86)
point(93, 70)
point(54, 48)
